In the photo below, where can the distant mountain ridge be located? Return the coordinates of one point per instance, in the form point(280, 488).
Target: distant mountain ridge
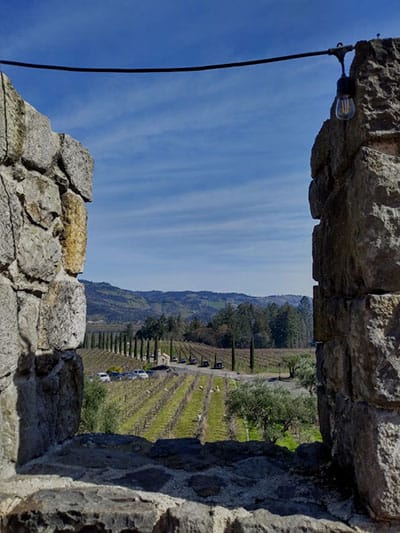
point(111, 304)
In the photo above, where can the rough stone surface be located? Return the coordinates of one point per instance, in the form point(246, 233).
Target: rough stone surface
point(7, 247)
point(39, 254)
point(78, 166)
point(9, 339)
point(74, 236)
point(78, 487)
point(41, 145)
point(42, 313)
point(41, 199)
point(28, 317)
point(355, 194)
point(61, 311)
point(377, 458)
point(12, 122)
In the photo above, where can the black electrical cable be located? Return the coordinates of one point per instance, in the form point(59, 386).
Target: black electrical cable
point(330, 51)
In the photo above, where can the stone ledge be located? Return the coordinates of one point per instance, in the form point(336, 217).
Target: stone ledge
point(124, 483)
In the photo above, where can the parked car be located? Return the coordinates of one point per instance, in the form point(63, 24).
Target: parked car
point(115, 376)
point(126, 376)
point(182, 360)
point(219, 365)
point(140, 374)
point(192, 361)
point(103, 376)
point(205, 363)
point(174, 359)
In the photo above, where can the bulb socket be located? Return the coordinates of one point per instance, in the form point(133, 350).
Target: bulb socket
point(345, 87)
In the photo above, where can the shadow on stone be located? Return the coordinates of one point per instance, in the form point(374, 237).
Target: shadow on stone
point(229, 474)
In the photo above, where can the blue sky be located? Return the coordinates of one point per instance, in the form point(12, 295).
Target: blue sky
point(201, 179)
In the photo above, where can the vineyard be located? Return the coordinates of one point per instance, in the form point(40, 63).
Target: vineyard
point(176, 405)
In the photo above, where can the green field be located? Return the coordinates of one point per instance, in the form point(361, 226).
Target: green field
point(173, 406)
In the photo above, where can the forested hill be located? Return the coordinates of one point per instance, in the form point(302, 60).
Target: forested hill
point(112, 304)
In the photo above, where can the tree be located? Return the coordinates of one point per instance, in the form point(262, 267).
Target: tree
point(141, 348)
point(306, 318)
point(292, 362)
point(97, 415)
point(306, 373)
point(125, 344)
point(233, 365)
point(148, 350)
point(135, 349)
point(156, 350)
point(273, 410)
point(251, 363)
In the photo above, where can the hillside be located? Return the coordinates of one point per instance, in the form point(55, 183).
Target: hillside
point(112, 304)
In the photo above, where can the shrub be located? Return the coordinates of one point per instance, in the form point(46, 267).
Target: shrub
point(97, 415)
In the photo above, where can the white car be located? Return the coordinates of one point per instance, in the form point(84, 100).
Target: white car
point(103, 376)
point(140, 374)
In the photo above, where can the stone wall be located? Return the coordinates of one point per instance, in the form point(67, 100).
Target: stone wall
point(355, 192)
point(45, 179)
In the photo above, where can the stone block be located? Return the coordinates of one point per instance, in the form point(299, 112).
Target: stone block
point(49, 403)
point(28, 317)
point(39, 253)
point(318, 193)
point(374, 221)
point(331, 316)
point(62, 321)
point(12, 122)
point(377, 107)
point(376, 437)
point(334, 366)
point(41, 199)
point(320, 152)
point(374, 341)
point(7, 245)
point(41, 145)
point(74, 235)
point(9, 435)
point(78, 165)
point(9, 338)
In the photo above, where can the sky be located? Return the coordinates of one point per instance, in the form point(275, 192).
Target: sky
point(201, 179)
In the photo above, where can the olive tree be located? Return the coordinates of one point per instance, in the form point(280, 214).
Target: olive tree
point(273, 410)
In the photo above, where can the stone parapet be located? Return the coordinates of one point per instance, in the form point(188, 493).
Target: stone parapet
point(45, 179)
point(355, 194)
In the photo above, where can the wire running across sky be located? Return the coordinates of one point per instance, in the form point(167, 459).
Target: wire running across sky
point(340, 49)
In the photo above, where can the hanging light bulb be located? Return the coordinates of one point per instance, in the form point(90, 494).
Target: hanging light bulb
point(345, 108)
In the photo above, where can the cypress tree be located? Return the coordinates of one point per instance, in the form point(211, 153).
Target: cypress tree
point(120, 343)
point(135, 351)
point(141, 348)
point(233, 354)
point(92, 340)
point(131, 346)
point(156, 350)
point(116, 343)
point(171, 347)
point(252, 354)
point(125, 345)
point(148, 350)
